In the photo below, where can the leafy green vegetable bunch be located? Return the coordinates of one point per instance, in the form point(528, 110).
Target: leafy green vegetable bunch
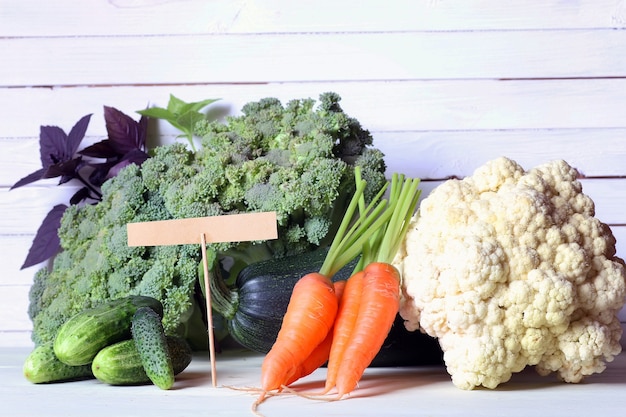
point(296, 159)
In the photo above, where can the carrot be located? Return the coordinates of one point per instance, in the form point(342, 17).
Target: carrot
point(377, 309)
point(304, 327)
point(371, 299)
point(313, 304)
point(345, 321)
point(320, 354)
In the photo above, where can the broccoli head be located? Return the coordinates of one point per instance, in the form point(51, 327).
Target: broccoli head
point(96, 264)
point(297, 160)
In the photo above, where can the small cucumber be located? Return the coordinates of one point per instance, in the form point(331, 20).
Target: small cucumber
point(42, 366)
point(149, 336)
point(81, 337)
point(120, 364)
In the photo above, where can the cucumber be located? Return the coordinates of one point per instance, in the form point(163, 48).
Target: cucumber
point(151, 343)
point(120, 364)
point(81, 337)
point(42, 366)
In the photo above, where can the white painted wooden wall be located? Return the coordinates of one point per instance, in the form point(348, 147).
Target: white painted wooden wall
point(443, 85)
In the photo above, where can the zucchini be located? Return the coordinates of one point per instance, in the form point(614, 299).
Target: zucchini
point(151, 343)
point(81, 337)
point(42, 366)
point(254, 308)
point(120, 363)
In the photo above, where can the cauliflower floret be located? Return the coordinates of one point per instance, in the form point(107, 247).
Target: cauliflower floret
point(509, 268)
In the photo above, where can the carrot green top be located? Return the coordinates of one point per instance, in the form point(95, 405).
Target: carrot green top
point(378, 230)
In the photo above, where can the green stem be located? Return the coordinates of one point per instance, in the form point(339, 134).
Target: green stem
point(255, 252)
point(224, 300)
point(329, 264)
point(190, 139)
point(403, 199)
point(350, 239)
point(375, 219)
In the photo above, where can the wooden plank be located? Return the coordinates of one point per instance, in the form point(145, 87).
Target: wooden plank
point(425, 106)
point(426, 154)
point(441, 154)
point(16, 338)
point(610, 198)
point(434, 66)
point(24, 209)
point(620, 236)
point(14, 249)
point(144, 17)
point(13, 308)
point(325, 57)
point(607, 194)
point(18, 158)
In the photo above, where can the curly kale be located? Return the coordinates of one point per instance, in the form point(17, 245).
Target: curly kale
point(96, 263)
point(297, 160)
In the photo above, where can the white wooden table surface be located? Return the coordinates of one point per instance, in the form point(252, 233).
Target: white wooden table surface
point(443, 85)
point(423, 391)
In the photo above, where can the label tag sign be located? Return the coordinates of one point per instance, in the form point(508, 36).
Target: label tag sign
point(202, 230)
point(228, 228)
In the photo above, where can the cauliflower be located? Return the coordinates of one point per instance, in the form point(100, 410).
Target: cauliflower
point(509, 269)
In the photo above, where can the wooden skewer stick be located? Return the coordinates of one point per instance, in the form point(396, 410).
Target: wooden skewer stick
point(209, 311)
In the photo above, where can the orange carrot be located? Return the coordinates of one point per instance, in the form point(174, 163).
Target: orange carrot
point(369, 306)
point(345, 321)
point(379, 303)
point(305, 325)
point(313, 304)
point(320, 354)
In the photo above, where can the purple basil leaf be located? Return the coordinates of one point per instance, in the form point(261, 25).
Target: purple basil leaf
point(102, 149)
point(143, 124)
point(80, 195)
point(111, 167)
point(52, 145)
point(125, 133)
point(76, 135)
point(65, 169)
point(136, 156)
point(55, 146)
point(65, 178)
point(46, 243)
point(115, 169)
point(32, 177)
point(101, 171)
point(133, 157)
